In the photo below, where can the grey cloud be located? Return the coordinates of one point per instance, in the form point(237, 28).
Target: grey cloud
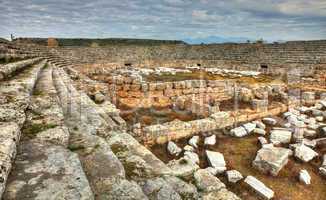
point(165, 19)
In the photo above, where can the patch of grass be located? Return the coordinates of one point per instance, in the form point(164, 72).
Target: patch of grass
point(37, 93)
point(33, 129)
point(7, 60)
point(183, 161)
point(75, 147)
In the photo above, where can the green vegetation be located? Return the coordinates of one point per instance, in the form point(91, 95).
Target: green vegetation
point(37, 92)
point(87, 42)
point(7, 60)
point(75, 147)
point(33, 129)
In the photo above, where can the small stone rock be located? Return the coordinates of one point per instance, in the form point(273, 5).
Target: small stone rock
point(323, 130)
point(294, 111)
point(194, 141)
point(299, 124)
point(238, 132)
point(287, 114)
point(304, 177)
point(271, 160)
point(249, 127)
point(99, 98)
point(302, 117)
point(292, 119)
point(303, 109)
point(188, 148)
point(259, 131)
point(322, 171)
point(319, 118)
point(305, 153)
point(323, 100)
point(316, 112)
point(318, 106)
point(280, 136)
point(310, 120)
point(260, 124)
point(259, 187)
point(287, 125)
point(324, 161)
point(211, 140)
point(173, 149)
point(234, 176)
point(269, 121)
point(309, 143)
point(269, 145)
point(216, 160)
point(262, 141)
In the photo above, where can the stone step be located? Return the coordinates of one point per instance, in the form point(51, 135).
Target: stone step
point(9, 138)
point(103, 169)
point(15, 94)
point(44, 166)
point(7, 71)
point(44, 170)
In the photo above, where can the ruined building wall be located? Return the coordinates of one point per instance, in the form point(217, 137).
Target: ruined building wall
point(134, 94)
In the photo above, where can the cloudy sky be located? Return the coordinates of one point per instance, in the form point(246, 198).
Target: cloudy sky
point(165, 19)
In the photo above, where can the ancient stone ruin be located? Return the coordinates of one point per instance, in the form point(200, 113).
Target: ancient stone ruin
point(163, 121)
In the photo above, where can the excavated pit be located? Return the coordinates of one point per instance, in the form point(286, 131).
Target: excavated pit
point(152, 116)
point(239, 154)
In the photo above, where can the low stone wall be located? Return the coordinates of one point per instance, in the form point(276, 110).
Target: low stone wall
point(162, 133)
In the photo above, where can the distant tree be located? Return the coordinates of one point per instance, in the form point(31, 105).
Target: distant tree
point(260, 41)
point(52, 42)
point(248, 41)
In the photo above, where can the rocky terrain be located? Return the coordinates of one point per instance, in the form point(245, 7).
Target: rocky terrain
point(107, 133)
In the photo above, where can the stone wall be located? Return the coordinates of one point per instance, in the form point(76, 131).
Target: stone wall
point(133, 93)
point(175, 130)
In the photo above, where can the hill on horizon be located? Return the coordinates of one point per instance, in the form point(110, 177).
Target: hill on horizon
point(88, 42)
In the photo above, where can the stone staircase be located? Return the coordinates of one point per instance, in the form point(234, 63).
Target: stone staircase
point(309, 53)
